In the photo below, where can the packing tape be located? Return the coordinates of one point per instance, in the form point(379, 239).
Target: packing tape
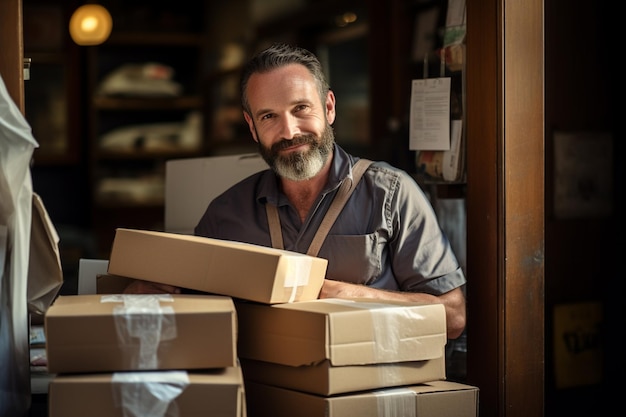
point(140, 317)
point(298, 273)
point(148, 394)
point(398, 402)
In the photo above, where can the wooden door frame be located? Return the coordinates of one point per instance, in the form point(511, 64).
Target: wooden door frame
point(505, 205)
point(12, 50)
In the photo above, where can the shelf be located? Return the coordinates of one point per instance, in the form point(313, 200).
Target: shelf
point(156, 38)
point(122, 203)
point(134, 154)
point(142, 103)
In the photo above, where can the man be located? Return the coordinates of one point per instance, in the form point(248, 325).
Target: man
point(386, 243)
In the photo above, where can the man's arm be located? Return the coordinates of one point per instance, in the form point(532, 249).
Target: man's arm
point(453, 301)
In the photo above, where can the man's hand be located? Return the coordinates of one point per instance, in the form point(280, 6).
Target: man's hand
point(453, 301)
point(148, 287)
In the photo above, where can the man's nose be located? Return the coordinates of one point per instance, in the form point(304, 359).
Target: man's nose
point(289, 127)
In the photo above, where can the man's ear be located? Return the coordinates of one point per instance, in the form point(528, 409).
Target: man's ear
point(330, 107)
point(250, 125)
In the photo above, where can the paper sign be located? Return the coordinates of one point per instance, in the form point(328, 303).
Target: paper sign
point(429, 124)
point(578, 344)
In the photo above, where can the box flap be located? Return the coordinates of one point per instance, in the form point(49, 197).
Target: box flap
point(370, 331)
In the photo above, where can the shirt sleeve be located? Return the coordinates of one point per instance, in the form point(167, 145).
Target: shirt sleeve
point(422, 256)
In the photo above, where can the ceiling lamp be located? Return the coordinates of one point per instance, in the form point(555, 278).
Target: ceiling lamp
point(90, 24)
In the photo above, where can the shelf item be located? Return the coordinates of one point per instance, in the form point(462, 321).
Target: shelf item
point(445, 61)
point(148, 79)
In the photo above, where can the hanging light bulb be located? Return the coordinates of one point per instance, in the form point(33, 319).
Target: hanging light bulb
point(90, 24)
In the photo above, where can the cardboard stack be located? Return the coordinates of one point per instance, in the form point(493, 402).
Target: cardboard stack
point(118, 355)
point(298, 355)
point(330, 357)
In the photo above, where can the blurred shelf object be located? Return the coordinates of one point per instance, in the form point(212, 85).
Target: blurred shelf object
point(147, 105)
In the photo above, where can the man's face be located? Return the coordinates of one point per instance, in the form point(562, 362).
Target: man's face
point(290, 122)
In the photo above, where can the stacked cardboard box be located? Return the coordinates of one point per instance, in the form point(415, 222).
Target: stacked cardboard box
point(334, 346)
point(103, 333)
point(321, 357)
point(429, 399)
point(235, 269)
point(118, 355)
point(300, 355)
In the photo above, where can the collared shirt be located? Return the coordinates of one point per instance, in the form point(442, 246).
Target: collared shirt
point(387, 235)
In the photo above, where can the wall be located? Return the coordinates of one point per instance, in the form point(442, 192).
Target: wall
point(582, 251)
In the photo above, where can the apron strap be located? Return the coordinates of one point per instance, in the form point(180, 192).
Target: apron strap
point(344, 192)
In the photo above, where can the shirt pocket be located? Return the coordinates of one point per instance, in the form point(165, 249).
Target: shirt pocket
point(352, 258)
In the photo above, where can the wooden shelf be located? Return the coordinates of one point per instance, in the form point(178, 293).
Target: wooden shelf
point(133, 154)
point(123, 203)
point(156, 38)
point(143, 103)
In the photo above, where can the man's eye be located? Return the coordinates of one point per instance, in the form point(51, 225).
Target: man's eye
point(266, 116)
point(301, 107)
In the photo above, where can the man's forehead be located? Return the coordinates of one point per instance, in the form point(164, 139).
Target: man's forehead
point(282, 84)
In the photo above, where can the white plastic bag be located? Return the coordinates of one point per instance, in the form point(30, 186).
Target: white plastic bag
point(16, 148)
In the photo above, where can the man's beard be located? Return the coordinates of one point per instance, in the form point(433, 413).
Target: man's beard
point(299, 166)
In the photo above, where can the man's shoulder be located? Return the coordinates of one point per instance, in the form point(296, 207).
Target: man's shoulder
point(385, 168)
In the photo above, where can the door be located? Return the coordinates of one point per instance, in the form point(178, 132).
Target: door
point(11, 49)
point(505, 206)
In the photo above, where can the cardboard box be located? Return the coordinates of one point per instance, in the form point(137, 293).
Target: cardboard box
point(108, 333)
point(88, 271)
point(325, 379)
point(192, 183)
point(432, 399)
point(239, 270)
point(343, 332)
point(111, 284)
point(216, 392)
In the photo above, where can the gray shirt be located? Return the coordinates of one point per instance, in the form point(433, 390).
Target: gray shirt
point(387, 235)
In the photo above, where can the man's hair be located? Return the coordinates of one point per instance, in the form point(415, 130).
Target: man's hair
point(279, 55)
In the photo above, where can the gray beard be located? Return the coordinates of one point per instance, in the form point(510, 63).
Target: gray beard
point(300, 166)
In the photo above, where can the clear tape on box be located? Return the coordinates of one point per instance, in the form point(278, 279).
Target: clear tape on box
point(148, 394)
point(142, 317)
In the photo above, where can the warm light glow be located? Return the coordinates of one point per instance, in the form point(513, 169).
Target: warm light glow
point(90, 24)
point(346, 19)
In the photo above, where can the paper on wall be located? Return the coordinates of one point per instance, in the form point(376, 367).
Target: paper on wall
point(429, 125)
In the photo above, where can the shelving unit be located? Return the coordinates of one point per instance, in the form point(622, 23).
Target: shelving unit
point(147, 104)
point(226, 127)
point(50, 90)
